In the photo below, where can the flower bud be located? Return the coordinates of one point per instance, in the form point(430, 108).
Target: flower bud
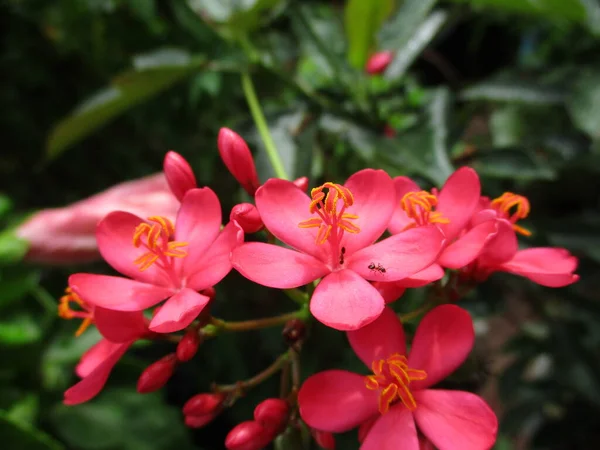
point(157, 374)
point(247, 216)
point(199, 421)
point(203, 404)
point(378, 62)
point(389, 131)
point(238, 159)
point(188, 345)
point(302, 183)
point(272, 414)
point(179, 174)
point(294, 332)
point(323, 439)
point(248, 435)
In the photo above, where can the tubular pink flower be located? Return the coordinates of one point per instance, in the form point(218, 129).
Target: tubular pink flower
point(331, 234)
point(237, 157)
point(179, 174)
point(391, 403)
point(378, 62)
point(163, 261)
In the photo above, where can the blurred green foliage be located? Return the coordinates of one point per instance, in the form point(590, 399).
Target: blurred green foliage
point(510, 87)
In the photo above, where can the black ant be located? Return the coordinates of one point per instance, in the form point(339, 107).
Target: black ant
point(342, 255)
point(379, 268)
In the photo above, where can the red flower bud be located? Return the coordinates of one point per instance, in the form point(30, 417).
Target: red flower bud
point(323, 439)
point(248, 435)
point(272, 414)
point(188, 345)
point(247, 216)
point(389, 132)
point(364, 429)
point(179, 174)
point(157, 374)
point(203, 404)
point(302, 183)
point(378, 62)
point(238, 159)
point(199, 421)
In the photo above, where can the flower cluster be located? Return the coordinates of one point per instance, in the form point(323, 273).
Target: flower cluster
point(344, 252)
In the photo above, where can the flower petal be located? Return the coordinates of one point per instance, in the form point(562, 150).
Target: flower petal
point(501, 247)
point(389, 291)
point(282, 206)
point(374, 202)
point(198, 224)
point(95, 380)
point(400, 220)
point(394, 430)
point(467, 248)
point(455, 420)
point(423, 277)
point(114, 235)
point(548, 266)
point(380, 339)
point(277, 267)
point(345, 301)
point(120, 294)
point(216, 261)
point(336, 401)
point(401, 255)
point(95, 356)
point(442, 342)
point(120, 326)
point(179, 311)
point(458, 199)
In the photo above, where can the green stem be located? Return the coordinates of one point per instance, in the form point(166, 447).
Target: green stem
point(258, 323)
point(242, 386)
point(261, 125)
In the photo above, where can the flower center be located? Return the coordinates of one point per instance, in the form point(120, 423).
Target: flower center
point(332, 221)
point(419, 207)
point(508, 201)
point(83, 311)
point(156, 238)
point(391, 377)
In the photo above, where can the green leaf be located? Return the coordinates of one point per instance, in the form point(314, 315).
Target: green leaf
point(513, 163)
point(5, 204)
point(556, 9)
point(153, 73)
point(15, 284)
point(584, 103)
point(12, 248)
point(362, 21)
point(396, 32)
point(26, 409)
point(515, 92)
point(18, 435)
point(19, 328)
point(439, 109)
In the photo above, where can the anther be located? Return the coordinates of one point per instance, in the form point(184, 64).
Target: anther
point(157, 240)
point(506, 202)
point(419, 207)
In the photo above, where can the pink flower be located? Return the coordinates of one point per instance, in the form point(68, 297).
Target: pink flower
point(66, 235)
point(179, 174)
point(548, 266)
point(237, 157)
point(378, 62)
point(396, 399)
point(164, 261)
point(332, 235)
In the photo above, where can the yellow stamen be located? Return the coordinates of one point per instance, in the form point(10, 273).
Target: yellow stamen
point(419, 207)
point(508, 201)
point(84, 312)
point(157, 240)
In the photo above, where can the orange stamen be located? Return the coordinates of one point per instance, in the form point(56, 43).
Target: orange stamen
point(508, 201)
point(419, 207)
point(157, 240)
point(393, 377)
point(84, 310)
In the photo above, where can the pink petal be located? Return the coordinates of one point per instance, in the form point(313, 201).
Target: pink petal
point(552, 267)
point(374, 202)
point(120, 294)
point(483, 216)
point(216, 261)
point(345, 301)
point(458, 199)
point(336, 401)
point(198, 224)
point(380, 339)
point(114, 235)
point(455, 420)
point(442, 342)
point(95, 356)
point(400, 220)
point(277, 267)
point(120, 326)
point(422, 278)
point(389, 291)
point(394, 430)
point(401, 255)
point(95, 380)
point(282, 206)
point(501, 247)
point(467, 248)
point(179, 311)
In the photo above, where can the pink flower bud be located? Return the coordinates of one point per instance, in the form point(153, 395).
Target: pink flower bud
point(302, 183)
point(248, 435)
point(68, 235)
point(199, 421)
point(157, 374)
point(272, 414)
point(203, 404)
point(378, 62)
point(247, 216)
point(323, 439)
point(238, 159)
point(188, 345)
point(179, 174)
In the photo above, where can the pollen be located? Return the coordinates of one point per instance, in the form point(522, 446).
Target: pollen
point(419, 207)
point(156, 238)
point(83, 311)
point(518, 204)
